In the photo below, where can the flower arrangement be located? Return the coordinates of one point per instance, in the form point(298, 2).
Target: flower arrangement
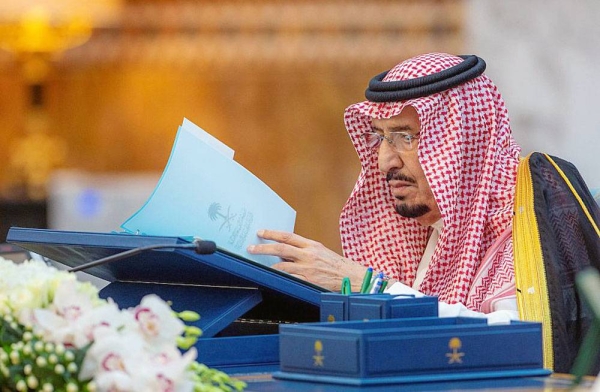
point(56, 334)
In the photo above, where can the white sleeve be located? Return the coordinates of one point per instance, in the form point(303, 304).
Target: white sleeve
point(505, 310)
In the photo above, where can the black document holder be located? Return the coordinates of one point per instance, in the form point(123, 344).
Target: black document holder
point(240, 302)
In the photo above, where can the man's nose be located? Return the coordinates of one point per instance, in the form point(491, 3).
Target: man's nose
point(388, 157)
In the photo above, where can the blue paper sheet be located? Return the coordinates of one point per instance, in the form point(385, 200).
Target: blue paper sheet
point(204, 193)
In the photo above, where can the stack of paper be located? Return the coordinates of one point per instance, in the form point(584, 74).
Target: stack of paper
point(204, 193)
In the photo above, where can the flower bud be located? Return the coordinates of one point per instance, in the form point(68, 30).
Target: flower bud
point(72, 387)
point(190, 330)
point(185, 342)
point(14, 357)
point(59, 349)
point(49, 347)
point(47, 388)
point(27, 349)
point(27, 369)
point(59, 369)
point(38, 346)
point(52, 359)
point(32, 382)
point(72, 367)
point(188, 315)
point(21, 385)
point(41, 361)
point(91, 386)
point(69, 356)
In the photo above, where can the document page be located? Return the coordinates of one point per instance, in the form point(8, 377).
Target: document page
point(204, 193)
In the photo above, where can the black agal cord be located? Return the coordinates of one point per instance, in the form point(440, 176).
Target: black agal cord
point(401, 90)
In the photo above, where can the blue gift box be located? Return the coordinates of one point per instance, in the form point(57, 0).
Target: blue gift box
point(409, 350)
point(339, 307)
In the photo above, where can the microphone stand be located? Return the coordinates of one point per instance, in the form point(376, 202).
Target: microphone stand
point(201, 247)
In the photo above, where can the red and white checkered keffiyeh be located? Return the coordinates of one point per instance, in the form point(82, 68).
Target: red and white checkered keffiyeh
point(470, 160)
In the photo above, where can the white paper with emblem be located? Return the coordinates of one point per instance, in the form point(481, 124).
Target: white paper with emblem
point(204, 193)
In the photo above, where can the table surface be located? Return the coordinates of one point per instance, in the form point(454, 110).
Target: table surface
point(264, 382)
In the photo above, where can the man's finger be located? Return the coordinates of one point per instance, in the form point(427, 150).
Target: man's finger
point(283, 237)
point(282, 250)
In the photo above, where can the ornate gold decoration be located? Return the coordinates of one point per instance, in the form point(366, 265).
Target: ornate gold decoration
point(530, 274)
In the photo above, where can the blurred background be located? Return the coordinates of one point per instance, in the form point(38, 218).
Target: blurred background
point(92, 92)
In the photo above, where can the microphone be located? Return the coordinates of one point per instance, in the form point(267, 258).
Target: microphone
point(200, 247)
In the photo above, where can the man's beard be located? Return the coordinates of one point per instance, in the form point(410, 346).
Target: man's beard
point(403, 209)
point(411, 211)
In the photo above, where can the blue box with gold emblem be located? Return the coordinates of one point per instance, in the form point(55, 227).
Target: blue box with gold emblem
point(338, 307)
point(409, 350)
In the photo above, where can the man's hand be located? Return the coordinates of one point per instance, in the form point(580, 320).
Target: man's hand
point(309, 260)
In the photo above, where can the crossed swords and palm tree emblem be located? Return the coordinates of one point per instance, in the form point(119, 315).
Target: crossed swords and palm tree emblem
point(214, 212)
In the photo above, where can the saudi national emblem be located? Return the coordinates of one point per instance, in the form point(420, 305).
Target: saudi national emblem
point(455, 356)
point(214, 212)
point(318, 357)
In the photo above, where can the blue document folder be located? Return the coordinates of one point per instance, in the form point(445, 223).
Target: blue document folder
point(204, 193)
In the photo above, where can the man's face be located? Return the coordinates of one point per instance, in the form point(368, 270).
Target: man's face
point(403, 171)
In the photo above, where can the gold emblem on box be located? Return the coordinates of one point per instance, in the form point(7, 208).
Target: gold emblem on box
point(318, 357)
point(455, 356)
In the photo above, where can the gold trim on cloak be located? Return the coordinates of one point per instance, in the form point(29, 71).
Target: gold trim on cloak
point(530, 272)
